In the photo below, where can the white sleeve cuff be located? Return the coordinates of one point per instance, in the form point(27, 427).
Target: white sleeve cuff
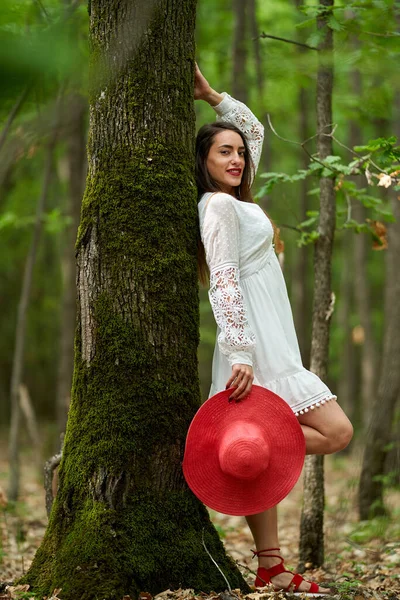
point(225, 105)
point(241, 357)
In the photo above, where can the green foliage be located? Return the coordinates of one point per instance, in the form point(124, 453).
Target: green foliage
point(348, 588)
point(382, 527)
point(379, 154)
point(54, 221)
point(36, 48)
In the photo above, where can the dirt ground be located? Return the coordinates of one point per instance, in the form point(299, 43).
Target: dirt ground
point(362, 560)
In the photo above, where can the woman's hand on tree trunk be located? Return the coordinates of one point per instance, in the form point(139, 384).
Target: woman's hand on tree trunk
point(203, 90)
point(241, 380)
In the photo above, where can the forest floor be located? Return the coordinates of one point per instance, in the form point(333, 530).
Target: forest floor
point(362, 560)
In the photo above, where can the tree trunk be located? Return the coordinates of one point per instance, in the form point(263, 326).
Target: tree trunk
point(261, 87)
point(311, 527)
point(123, 520)
point(362, 291)
point(239, 82)
point(371, 501)
point(77, 165)
point(347, 383)
point(300, 288)
point(20, 331)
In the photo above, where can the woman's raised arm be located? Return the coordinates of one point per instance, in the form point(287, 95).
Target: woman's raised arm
point(231, 110)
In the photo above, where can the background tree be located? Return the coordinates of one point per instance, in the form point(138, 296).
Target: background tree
point(75, 166)
point(373, 476)
point(311, 527)
point(123, 519)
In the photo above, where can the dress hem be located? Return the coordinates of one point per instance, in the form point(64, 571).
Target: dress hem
point(315, 405)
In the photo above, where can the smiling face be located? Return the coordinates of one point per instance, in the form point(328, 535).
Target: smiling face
point(226, 160)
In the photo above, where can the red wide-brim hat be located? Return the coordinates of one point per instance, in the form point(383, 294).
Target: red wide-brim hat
point(242, 458)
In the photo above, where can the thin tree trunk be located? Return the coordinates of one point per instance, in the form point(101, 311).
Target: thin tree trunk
point(261, 86)
point(371, 489)
point(77, 165)
point(123, 520)
point(362, 291)
point(20, 332)
point(347, 383)
point(312, 517)
point(239, 80)
point(300, 288)
point(13, 113)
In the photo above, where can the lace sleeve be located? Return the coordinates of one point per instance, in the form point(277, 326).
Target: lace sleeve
point(240, 115)
point(220, 234)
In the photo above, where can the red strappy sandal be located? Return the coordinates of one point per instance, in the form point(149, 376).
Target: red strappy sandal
point(264, 577)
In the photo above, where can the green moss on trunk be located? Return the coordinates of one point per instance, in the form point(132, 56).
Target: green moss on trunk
point(124, 520)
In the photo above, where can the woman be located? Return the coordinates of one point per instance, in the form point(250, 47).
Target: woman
point(256, 337)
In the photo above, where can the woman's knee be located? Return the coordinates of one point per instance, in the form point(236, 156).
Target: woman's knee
point(340, 436)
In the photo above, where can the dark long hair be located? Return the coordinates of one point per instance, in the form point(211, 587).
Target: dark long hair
point(205, 183)
point(204, 141)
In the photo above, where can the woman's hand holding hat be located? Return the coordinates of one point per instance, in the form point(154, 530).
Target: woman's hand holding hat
point(241, 379)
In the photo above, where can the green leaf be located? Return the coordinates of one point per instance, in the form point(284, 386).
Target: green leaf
point(306, 23)
point(8, 219)
point(316, 38)
point(334, 24)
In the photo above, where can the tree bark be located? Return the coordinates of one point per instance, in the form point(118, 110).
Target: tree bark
point(77, 165)
point(311, 528)
point(261, 87)
point(123, 520)
point(347, 381)
point(239, 80)
point(371, 489)
point(362, 291)
point(300, 285)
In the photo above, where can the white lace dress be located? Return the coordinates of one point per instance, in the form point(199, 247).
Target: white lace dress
point(247, 290)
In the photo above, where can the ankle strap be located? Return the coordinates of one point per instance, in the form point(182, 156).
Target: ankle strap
point(260, 552)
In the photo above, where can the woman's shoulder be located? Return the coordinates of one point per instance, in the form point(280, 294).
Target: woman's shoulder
point(216, 198)
point(216, 206)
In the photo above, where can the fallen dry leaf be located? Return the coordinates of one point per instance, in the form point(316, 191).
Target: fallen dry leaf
point(14, 591)
point(3, 498)
point(380, 231)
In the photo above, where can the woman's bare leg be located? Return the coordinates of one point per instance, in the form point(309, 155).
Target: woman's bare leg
point(264, 528)
point(326, 430)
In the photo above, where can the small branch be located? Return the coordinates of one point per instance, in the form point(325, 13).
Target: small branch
point(385, 35)
point(245, 567)
point(331, 135)
point(43, 9)
point(226, 581)
point(362, 158)
point(281, 39)
point(49, 468)
point(302, 145)
point(13, 114)
point(70, 9)
point(285, 226)
point(348, 207)
point(31, 422)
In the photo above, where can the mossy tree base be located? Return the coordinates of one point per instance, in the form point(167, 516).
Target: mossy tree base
point(150, 544)
point(124, 520)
